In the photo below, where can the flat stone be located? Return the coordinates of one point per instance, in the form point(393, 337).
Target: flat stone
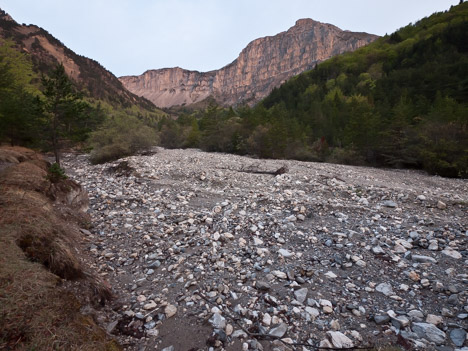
point(331, 275)
point(429, 332)
point(169, 348)
point(448, 251)
point(218, 321)
point(381, 319)
point(150, 306)
point(262, 285)
point(384, 288)
point(423, 259)
point(389, 203)
point(170, 310)
point(239, 334)
point(285, 253)
point(433, 319)
point(339, 340)
point(313, 312)
point(279, 331)
point(279, 274)
point(377, 250)
point(301, 294)
point(441, 205)
point(257, 241)
point(458, 337)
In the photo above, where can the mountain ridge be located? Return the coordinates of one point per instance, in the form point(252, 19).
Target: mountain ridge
point(262, 65)
point(46, 51)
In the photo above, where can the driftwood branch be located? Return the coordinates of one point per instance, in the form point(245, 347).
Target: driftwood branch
point(255, 169)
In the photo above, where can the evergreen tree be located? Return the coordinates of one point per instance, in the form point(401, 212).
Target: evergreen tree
point(65, 114)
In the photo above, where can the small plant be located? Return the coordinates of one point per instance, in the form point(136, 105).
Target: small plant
point(56, 173)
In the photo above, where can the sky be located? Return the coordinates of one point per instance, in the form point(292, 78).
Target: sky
point(129, 37)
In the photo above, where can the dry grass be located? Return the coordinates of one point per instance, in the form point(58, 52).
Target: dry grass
point(37, 250)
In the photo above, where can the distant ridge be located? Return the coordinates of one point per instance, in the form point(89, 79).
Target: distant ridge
point(46, 51)
point(263, 65)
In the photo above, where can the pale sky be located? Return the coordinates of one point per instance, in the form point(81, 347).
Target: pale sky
point(129, 37)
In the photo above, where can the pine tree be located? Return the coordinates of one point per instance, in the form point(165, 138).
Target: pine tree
point(63, 107)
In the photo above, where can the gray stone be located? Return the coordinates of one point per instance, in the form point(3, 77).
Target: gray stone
point(423, 259)
point(389, 203)
point(339, 340)
point(301, 294)
point(285, 253)
point(378, 250)
point(458, 337)
point(279, 331)
point(429, 332)
point(169, 348)
point(261, 285)
point(218, 321)
point(448, 251)
point(239, 334)
point(381, 319)
point(384, 288)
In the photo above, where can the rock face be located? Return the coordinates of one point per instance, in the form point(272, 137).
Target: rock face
point(263, 65)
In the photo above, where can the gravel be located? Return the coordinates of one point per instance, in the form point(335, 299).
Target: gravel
point(202, 254)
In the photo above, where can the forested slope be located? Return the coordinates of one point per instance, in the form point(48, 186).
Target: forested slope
point(401, 101)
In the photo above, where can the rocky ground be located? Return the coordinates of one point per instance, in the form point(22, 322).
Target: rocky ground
point(202, 254)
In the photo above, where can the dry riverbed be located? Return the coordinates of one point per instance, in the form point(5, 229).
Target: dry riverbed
point(203, 254)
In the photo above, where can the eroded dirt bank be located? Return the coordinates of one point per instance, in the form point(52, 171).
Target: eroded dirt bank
point(204, 255)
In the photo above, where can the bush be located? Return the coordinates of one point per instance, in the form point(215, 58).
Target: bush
point(346, 156)
point(119, 137)
point(56, 173)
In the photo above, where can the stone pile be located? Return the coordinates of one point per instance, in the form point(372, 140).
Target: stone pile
point(205, 256)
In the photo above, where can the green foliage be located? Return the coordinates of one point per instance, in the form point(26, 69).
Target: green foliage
point(55, 173)
point(120, 136)
point(66, 115)
point(400, 102)
point(19, 108)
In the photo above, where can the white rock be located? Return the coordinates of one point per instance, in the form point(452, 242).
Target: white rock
point(257, 241)
point(170, 310)
point(279, 274)
point(279, 331)
point(433, 319)
point(218, 321)
point(285, 253)
point(384, 288)
point(339, 340)
point(330, 275)
point(149, 306)
point(301, 294)
point(266, 320)
point(448, 251)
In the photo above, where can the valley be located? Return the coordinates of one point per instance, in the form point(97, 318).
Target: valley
point(202, 253)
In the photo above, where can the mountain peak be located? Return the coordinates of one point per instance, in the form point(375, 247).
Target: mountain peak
point(263, 64)
point(305, 22)
point(6, 17)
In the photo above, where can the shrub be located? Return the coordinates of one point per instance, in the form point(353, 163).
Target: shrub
point(346, 156)
point(56, 173)
point(119, 137)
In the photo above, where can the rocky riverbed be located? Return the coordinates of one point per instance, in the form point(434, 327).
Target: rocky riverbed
point(204, 254)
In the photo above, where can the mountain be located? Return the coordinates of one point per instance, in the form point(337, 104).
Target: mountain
point(263, 65)
point(401, 101)
point(88, 75)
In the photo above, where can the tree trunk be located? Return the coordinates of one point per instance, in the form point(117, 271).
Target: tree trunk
point(55, 145)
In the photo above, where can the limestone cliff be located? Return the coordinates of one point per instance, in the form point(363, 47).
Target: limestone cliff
point(263, 65)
